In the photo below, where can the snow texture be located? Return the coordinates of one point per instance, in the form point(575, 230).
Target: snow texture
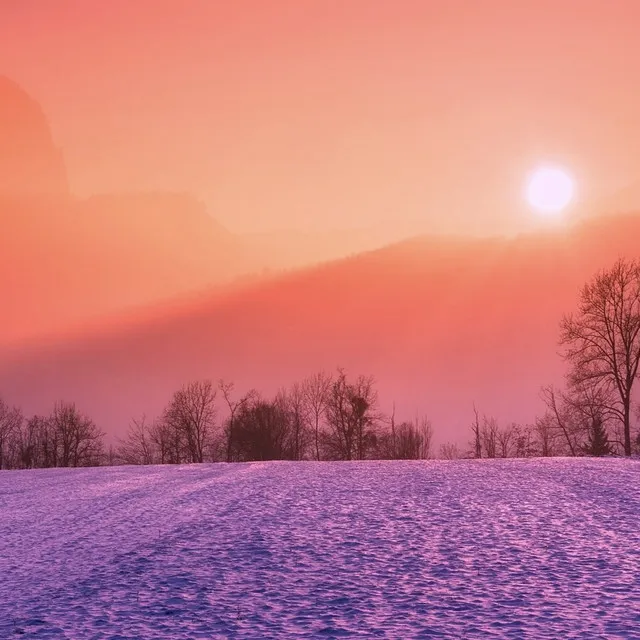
point(467, 549)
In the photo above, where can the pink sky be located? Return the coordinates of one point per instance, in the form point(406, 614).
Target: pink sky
point(316, 114)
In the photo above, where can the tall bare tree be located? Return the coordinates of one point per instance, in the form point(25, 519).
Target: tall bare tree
point(545, 436)
point(505, 438)
point(489, 436)
point(424, 428)
point(192, 413)
point(560, 418)
point(138, 447)
point(46, 436)
point(412, 440)
point(234, 406)
point(602, 339)
point(475, 429)
point(79, 441)
point(295, 410)
point(316, 390)
point(10, 422)
point(352, 417)
point(29, 441)
point(166, 442)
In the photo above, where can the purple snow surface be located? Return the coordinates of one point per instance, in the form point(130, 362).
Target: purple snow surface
point(468, 549)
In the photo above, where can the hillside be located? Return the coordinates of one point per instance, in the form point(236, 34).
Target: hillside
point(66, 262)
point(439, 323)
point(63, 261)
point(468, 549)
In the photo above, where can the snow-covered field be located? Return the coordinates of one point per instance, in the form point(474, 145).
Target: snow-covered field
point(469, 549)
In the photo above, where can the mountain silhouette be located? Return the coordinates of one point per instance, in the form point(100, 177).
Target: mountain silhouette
point(30, 163)
point(116, 300)
point(440, 323)
point(66, 261)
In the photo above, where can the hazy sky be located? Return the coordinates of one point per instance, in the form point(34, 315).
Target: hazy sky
point(328, 113)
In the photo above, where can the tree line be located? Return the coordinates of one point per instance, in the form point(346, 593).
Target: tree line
point(336, 417)
point(324, 417)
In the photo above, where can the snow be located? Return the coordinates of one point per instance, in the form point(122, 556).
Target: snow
point(465, 549)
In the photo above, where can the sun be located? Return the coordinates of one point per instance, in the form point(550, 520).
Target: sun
point(550, 190)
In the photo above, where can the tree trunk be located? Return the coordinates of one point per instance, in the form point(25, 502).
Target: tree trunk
point(230, 439)
point(627, 426)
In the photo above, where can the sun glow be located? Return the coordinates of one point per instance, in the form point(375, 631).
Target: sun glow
point(550, 190)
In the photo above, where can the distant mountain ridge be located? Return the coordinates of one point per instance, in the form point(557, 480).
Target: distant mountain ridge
point(30, 163)
point(441, 324)
point(66, 261)
point(116, 300)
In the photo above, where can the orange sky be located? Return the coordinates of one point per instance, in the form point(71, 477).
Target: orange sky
point(314, 114)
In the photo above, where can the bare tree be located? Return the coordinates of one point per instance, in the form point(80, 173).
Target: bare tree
point(545, 435)
point(166, 442)
point(227, 388)
point(46, 437)
point(111, 457)
point(364, 399)
point(413, 440)
point(10, 421)
point(388, 443)
point(79, 441)
point(425, 430)
point(523, 440)
point(449, 451)
point(192, 413)
point(489, 436)
point(475, 429)
point(351, 417)
point(30, 439)
point(295, 410)
point(571, 413)
point(560, 417)
point(593, 404)
point(409, 440)
point(316, 391)
point(66, 438)
point(138, 447)
point(263, 431)
point(505, 438)
point(602, 340)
